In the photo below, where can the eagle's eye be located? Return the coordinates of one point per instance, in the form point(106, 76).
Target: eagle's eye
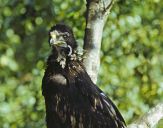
point(66, 34)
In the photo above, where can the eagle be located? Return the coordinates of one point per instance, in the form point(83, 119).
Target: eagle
point(72, 100)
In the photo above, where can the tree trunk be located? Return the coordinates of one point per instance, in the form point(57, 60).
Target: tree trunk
point(97, 13)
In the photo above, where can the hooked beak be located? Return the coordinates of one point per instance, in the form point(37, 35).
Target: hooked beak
point(56, 39)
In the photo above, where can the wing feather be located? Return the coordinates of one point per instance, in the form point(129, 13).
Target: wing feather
point(100, 102)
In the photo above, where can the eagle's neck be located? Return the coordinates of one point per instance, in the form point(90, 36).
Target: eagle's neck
point(60, 58)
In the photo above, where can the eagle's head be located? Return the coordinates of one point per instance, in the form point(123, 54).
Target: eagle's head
point(62, 41)
point(61, 36)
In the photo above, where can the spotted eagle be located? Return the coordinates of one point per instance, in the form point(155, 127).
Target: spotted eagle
point(72, 100)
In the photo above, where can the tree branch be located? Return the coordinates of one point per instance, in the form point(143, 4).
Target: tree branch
point(150, 119)
point(97, 13)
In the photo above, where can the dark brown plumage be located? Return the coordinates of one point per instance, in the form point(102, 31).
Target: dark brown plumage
point(72, 100)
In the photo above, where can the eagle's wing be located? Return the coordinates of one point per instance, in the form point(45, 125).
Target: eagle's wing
point(113, 111)
point(102, 106)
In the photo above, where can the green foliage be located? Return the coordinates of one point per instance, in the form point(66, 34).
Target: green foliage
point(131, 58)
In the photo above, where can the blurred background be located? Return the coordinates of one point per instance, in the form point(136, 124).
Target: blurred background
point(131, 71)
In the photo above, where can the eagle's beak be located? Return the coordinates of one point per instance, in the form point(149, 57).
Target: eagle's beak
point(56, 39)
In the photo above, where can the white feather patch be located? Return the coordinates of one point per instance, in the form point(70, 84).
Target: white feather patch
point(59, 78)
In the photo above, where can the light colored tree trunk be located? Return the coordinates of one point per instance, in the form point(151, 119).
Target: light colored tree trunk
point(96, 16)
